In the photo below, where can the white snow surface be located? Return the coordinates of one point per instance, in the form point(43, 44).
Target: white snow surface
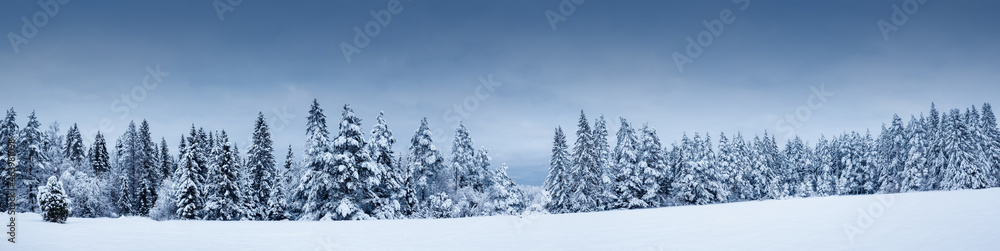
point(953, 220)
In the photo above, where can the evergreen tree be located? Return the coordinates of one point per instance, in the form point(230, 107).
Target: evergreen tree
point(147, 171)
point(651, 168)
point(965, 167)
point(991, 140)
point(31, 161)
point(602, 151)
point(504, 197)
point(629, 177)
point(463, 161)
point(264, 174)
point(916, 167)
point(359, 177)
point(584, 174)
point(557, 181)
point(166, 163)
point(425, 165)
point(826, 176)
point(74, 145)
point(801, 176)
point(100, 162)
point(8, 132)
point(316, 188)
point(391, 191)
point(226, 202)
point(190, 199)
point(53, 201)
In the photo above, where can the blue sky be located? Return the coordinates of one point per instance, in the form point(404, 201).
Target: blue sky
point(611, 58)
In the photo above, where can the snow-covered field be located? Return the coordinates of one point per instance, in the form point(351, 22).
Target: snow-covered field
point(955, 220)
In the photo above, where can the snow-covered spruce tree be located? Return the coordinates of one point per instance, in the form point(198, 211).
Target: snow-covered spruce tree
point(892, 148)
point(652, 166)
point(31, 162)
point(354, 171)
point(936, 158)
point(166, 164)
point(53, 201)
point(700, 182)
point(584, 175)
point(802, 170)
point(991, 140)
point(966, 166)
point(8, 134)
point(504, 196)
point(426, 164)
point(226, 201)
point(100, 160)
point(825, 178)
point(462, 158)
point(391, 191)
point(774, 167)
point(265, 174)
point(743, 187)
point(292, 172)
point(605, 164)
point(147, 172)
point(74, 145)
point(728, 163)
point(915, 167)
point(629, 176)
point(557, 183)
point(188, 186)
point(315, 191)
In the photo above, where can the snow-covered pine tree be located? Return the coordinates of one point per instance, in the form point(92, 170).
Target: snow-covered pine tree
point(391, 191)
point(426, 164)
point(315, 191)
point(603, 155)
point(504, 196)
point(8, 134)
point(100, 161)
point(802, 170)
point(74, 145)
point(147, 173)
point(991, 140)
point(462, 158)
point(585, 174)
point(226, 203)
point(739, 157)
point(727, 163)
point(936, 158)
point(265, 174)
point(166, 163)
point(358, 176)
point(915, 167)
point(31, 158)
point(188, 186)
point(557, 183)
point(825, 179)
point(966, 167)
point(892, 148)
point(53, 201)
point(629, 178)
point(652, 166)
